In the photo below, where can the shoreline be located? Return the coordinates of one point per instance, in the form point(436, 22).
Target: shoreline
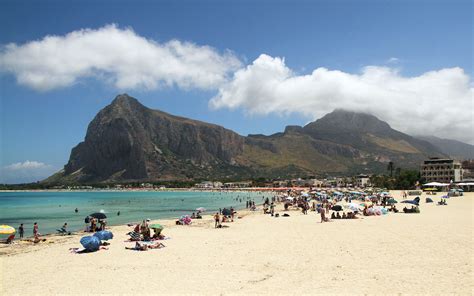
point(258, 254)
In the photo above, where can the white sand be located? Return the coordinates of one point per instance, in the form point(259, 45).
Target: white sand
point(429, 253)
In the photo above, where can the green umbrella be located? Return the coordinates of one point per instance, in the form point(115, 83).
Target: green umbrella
point(392, 201)
point(156, 226)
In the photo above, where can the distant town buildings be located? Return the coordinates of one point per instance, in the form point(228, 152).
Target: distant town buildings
point(441, 170)
point(362, 180)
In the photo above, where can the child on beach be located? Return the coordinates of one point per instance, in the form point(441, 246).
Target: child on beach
point(216, 220)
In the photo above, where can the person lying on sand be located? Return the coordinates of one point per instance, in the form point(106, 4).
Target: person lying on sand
point(144, 247)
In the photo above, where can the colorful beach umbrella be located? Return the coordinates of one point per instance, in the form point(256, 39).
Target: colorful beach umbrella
point(7, 229)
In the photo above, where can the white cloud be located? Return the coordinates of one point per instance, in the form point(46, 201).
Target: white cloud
point(25, 172)
point(26, 165)
point(118, 56)
point(434, 103)
point(393, 60)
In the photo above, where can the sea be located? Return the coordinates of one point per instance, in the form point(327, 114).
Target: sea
point(52, 209)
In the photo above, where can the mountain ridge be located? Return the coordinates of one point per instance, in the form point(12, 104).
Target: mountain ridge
point(127, 141)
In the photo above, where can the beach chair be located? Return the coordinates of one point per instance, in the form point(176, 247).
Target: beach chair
point(63, 231)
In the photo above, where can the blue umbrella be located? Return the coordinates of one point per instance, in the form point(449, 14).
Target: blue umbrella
point(104, 235)
point(411, 202)
point(90, 243)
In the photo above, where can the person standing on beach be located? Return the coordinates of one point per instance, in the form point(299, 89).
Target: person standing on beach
point(21, 230)
point(216, 220)
point(35, 230)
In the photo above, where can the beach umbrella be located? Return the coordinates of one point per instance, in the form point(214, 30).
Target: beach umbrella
point(98, 215)
point(411, 202)
point(90, 243)
point(156, 226)
point(428, 200)
point(353, 207)
point(6, 231)
point(391, 201)
point(104, 235)
point(444, 196)
point(201, 209)
point(337, 208)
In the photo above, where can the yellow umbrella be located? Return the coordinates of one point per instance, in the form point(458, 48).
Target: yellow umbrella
point(7, 229)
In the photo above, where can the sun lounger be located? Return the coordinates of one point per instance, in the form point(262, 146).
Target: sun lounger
point(63, 231)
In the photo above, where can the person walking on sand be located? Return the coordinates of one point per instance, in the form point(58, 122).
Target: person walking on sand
point(35, 230)
point(217, 219)
point(21, 230)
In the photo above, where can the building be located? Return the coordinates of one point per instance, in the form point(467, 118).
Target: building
point(208, 185)
point(441, 170)
point(362, 180)
point(245, 184)
point(468, 169)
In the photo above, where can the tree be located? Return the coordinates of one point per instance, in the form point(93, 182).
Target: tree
point(390, 168)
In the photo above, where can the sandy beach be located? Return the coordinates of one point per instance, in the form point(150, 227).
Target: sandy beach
point(426, 253)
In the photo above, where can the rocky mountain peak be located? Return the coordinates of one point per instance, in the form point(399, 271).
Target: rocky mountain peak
point(341, 119)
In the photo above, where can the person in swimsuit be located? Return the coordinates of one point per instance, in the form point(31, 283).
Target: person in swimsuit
point(35, 230)
point(216, 220)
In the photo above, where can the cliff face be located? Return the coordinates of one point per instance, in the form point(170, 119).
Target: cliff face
point(128, 142)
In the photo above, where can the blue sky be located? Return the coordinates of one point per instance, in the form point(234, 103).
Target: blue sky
point(409, 37)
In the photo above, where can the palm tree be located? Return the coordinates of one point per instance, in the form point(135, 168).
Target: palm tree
point(390, 168)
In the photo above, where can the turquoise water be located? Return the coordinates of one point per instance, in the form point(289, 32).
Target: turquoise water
point(52, 209)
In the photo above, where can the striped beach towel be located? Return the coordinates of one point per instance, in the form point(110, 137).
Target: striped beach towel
point(134, 236)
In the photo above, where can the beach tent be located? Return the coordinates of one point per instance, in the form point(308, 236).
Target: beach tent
point(6, 231)
point(104, 235)
point(90, 243)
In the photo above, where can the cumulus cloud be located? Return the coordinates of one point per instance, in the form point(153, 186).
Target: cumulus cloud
point(120, 57)
point(25, 172)
point(434, 103)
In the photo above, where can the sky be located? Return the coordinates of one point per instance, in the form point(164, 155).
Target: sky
point(250, 66)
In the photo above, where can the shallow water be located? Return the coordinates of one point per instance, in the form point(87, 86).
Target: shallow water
point(52, 209)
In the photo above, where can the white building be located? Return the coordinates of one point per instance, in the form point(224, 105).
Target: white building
point(362, 180)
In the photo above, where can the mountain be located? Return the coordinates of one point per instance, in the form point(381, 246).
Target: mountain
point(453, 148)
point(127, 141)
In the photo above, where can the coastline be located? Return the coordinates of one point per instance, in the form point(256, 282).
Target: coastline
point(422, 253)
